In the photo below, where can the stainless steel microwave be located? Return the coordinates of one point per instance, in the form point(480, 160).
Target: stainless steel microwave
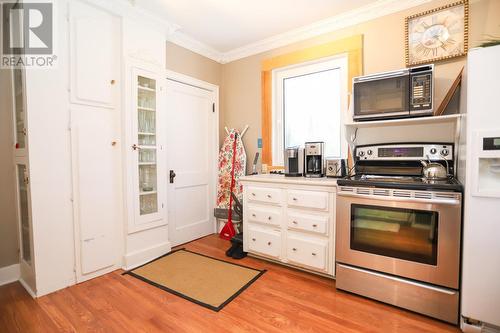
point(397, 94)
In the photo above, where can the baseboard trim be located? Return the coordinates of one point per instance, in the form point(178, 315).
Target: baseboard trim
point(48, 289)
point(9, 274)
point(28, 288)
point(139, 258)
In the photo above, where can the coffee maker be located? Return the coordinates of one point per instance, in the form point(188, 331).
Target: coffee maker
point(294, 161)
point(314, 159)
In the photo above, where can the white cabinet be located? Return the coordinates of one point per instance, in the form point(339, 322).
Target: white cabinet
point(291, 221)
point(264, 195)
point(307, 250)
point(147, 171)
point(307, 199)
point(315, 223)
point(19, 92)
point(264, 215)
point(264, 241)
point(95, 81)
point(27, 267)
point(94, 54)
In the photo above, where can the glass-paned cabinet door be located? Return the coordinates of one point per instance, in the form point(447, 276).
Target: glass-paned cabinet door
point(19, 110)
point(24, 215)
point(147, 148)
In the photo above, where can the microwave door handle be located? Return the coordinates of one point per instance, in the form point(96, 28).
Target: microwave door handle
point(451, 202)
point(381, 76)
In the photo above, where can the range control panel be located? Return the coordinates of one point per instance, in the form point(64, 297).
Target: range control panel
point(394, 152)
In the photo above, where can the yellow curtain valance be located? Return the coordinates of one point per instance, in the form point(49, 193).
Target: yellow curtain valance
point(352, 46)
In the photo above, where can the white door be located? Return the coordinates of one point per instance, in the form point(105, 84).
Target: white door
point(96, 188)
point(192, 160)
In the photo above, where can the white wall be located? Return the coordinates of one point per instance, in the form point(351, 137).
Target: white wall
point(50, 167)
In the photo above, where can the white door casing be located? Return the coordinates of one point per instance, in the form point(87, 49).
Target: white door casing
point(192, 145)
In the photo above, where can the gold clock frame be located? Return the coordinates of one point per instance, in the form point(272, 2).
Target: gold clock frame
point(465, 3)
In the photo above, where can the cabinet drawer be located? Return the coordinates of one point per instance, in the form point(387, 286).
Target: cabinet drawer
point(265, 214)
point(264, 194)
point(308, 222)
point(307, 251)
point(308, 199)
point(266, 242)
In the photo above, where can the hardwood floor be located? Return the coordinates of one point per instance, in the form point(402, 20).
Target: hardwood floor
point(282, 300)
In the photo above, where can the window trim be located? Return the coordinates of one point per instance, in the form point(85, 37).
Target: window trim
point(339, 61)
point(352, 45)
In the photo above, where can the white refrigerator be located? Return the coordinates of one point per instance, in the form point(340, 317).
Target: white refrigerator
point(481, 170)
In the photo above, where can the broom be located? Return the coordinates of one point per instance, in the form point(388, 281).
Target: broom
point(228, 230)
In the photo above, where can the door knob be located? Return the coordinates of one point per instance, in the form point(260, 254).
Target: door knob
point(135, 147)
point(172, 176)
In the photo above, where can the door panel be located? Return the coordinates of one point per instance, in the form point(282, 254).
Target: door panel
point(96, 186)
point(94, 46)
point(192, 149)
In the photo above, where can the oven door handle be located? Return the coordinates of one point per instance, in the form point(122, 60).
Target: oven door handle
point(451, 202)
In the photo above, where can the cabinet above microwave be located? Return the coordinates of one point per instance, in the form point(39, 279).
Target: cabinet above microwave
point(403, 93)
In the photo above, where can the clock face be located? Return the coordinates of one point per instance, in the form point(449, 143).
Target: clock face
point(436, 35)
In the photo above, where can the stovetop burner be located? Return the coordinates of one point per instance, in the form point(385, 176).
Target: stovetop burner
point(399, 166)
point(402, 182)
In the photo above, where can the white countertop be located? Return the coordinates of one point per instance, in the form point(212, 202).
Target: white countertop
point(281, 179)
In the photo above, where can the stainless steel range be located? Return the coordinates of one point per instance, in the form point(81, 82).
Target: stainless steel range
point(399, 234)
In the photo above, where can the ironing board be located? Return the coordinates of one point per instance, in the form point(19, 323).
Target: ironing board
point(225, 161)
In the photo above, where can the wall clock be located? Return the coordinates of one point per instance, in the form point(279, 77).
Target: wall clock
point(437, 34)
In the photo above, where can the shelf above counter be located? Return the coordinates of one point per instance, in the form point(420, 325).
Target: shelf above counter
point(406, 121)
point(445, 128)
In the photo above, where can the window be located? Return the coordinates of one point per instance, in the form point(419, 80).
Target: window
point(309, 101)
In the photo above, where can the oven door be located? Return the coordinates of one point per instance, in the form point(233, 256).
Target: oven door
point(382, 96)
point(414, 238)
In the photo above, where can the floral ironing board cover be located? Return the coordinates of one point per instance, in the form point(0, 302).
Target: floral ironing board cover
point(225, 165)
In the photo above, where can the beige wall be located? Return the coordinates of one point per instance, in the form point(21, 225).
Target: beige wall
point(186, 62)
point(383, 50)
point(8, 223)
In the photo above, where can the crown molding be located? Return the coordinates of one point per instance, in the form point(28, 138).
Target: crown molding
point(196, 46)
point(362, 14)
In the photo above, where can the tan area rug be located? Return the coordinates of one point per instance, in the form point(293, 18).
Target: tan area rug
point(206, 281)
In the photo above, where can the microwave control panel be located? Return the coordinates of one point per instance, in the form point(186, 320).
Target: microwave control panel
point(421, 91)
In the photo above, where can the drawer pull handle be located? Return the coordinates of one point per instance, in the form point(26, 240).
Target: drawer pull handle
point(315, 225)
point(294, 249)
point(253, 239)
point(253, 215)
point(313, 254)
point(295, 199)
point(295, 222)
point(269, 218)
point(253, 194)
point(269, 196)
point(268, 243)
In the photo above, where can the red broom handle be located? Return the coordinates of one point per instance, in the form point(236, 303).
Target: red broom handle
point(230, 214)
